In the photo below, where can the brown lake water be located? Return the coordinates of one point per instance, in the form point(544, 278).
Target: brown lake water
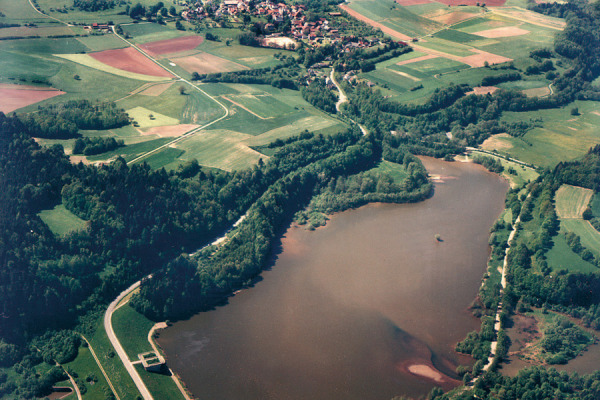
point(346, 310)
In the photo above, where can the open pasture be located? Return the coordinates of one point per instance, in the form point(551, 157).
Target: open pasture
point(102, 42)
point(206, 63)
point(89, 61)
point(311, 123)
point(50, 7)
point(253, 57)
point(571, 201)
point(590, 237)
point(85, 365)
point(13, 97)
point(561, 137)
point(131, 60)
point(457, 36)
point(429, 67)
point(20, 11)
point(175, 45)
point(43, 31)
point(147, 32)
point(221, 149)
point(61, 221)
point(561, 257)
point(262, 105)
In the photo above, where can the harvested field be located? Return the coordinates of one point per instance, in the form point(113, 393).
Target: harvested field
point(131, 60)
point(13, 97)
point(480, 57)
point(205, 63)
point(497, 142)
point(506, 31)
point(483, 90)
point(532, 18)
point(413, 60)
point(169, 130)
point(384, 29)
point(156, 90)
point(572, 201)
point(451, 18)
point(413, 2)
point(169, 46)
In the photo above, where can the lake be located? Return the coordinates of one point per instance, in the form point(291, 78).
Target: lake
point(368, 307)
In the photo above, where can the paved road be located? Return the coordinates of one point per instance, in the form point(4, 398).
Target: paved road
point(114, 341)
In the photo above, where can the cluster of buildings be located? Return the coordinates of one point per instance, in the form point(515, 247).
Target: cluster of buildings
point(283, 19)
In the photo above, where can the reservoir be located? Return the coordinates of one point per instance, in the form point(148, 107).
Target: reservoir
point(368, 307)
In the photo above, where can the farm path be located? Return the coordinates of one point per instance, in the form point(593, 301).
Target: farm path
point(46, 15)
point(181, 79)
point(75, 387)
point(101, 368)
point(343, 99)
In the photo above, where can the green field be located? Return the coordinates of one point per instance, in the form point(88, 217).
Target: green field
point(428, 68)
point(102, 42)
point(85, 367)
point(590, 238)
point(161, 385)
point(145, 32)
point(560, 257)
point(562, 137)
point(112, 364)
point(263, 106)
point(132, 330)
point(252, 57)
point(396, 171)
point(62, 221)
point(394, 16)
point(457, 36)
point(571, 201)
point(74, 14)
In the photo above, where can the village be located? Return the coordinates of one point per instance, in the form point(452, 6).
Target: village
point(283, 20)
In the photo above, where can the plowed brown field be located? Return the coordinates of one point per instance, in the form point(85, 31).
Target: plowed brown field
point(129, 59)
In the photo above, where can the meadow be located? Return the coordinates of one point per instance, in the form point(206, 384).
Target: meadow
point(561, 137)
point(61, 221)
point(85, 367)
point(394, 16)
point(561, 257)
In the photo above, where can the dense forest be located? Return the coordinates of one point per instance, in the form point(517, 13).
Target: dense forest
point(62, 121)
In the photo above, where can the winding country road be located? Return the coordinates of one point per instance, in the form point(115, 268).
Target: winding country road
point(342, 98)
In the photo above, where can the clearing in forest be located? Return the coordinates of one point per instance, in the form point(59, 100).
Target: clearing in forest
point(571, 201)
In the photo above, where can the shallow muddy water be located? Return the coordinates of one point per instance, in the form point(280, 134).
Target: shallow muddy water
point(360, 309)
